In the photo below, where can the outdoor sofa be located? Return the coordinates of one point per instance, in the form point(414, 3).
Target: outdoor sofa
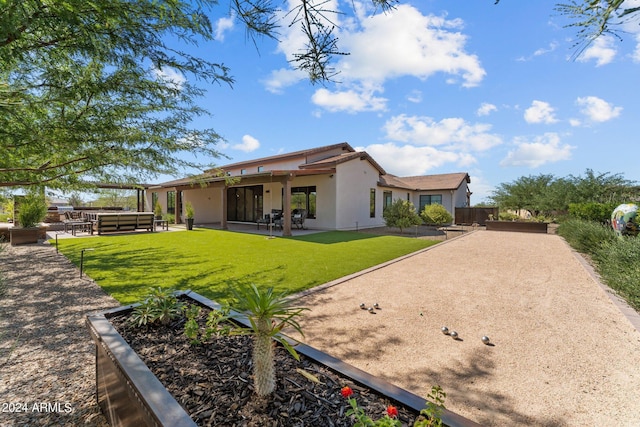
point(126, 221)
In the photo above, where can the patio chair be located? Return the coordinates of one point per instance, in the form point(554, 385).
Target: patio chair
point(271, 218)
point(297, 218)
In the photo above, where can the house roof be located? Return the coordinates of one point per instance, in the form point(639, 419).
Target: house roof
point(341, 158)
point(446, 181)
point(301, 153)
point(449, 181)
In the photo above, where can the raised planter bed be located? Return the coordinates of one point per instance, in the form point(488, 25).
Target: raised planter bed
point(522, 226)
point(25, 236)
point(129, 394)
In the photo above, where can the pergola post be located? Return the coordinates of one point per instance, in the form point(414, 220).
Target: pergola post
point(223, 205)
point(286, 206)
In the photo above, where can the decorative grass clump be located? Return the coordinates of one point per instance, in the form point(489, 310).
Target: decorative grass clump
point(618, 263)
point(213, 262)
point(586, 236)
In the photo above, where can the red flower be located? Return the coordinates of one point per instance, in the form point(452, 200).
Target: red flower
point(392, 411)
point(346, 392)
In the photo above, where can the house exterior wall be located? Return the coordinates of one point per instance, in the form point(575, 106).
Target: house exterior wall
point(355, 179)
point(206, 204)
point(325, 200)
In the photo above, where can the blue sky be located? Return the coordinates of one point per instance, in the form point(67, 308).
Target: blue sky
point(438, 86)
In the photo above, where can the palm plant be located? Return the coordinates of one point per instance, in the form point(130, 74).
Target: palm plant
point(268, 313)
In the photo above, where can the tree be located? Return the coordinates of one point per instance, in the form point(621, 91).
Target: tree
point(268, 313)
point(525, 193)
point(402, 214)
point(545, 194)
point(436, 214)
point(85, 92)
point(116, 198)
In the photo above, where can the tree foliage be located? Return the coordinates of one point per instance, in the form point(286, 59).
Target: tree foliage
point(402, 214)
point(85, 93)
point(546, 194)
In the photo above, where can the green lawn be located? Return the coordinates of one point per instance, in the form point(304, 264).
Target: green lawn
point(210, 262)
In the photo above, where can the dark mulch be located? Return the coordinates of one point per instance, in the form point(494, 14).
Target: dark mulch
point(213, 382)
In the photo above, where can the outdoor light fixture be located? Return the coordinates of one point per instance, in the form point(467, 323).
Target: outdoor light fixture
point(82, 258)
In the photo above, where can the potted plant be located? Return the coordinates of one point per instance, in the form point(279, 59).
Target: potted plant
point(32, 210)
point(157, 210)
point(189, 213)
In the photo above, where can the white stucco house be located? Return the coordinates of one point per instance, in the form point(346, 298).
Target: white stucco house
point(339, 187)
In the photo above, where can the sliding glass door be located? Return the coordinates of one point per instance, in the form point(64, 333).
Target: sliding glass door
point(244, 203)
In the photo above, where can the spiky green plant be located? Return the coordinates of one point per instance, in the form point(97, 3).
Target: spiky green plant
point(268, 313)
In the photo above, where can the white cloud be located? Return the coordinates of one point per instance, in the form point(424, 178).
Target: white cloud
point(283, 78)
point(415, 96)
point(409, 160)
point(543, 51)
point(485, 109)
point(453, 133)
point(635, 56)
point(543, 149)
point(351, 101)
point(597, 110)
point(402, 42)
point(223, 25)
point(540, 112)
point(406, 42)
point(170, 77)
point(601, 50)
point(539, 52)
point(248, 144)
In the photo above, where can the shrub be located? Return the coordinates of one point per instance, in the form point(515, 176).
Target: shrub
point(32, 210)
point(436, 214)
point(160, 306)
point(188, 210)
point(508, 216)
point(401, 214)
point(586, 236)
point(599, 212)
point(157, 210)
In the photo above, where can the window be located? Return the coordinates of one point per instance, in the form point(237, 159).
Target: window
point(372, 203)
point(304, 198)
point(429, 200)
point(171, 202)
point(154, 199)
point(243, 171)
point(260, 168)
point(387, 200)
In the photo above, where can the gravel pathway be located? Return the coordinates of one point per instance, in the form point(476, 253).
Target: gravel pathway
point(47, 359)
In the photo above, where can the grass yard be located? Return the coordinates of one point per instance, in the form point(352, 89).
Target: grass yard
point(210, 262)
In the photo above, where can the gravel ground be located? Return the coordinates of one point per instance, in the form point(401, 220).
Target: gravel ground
point(562, 352)
point(47, 359)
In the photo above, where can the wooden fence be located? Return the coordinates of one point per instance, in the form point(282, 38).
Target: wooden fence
point(480, 216)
